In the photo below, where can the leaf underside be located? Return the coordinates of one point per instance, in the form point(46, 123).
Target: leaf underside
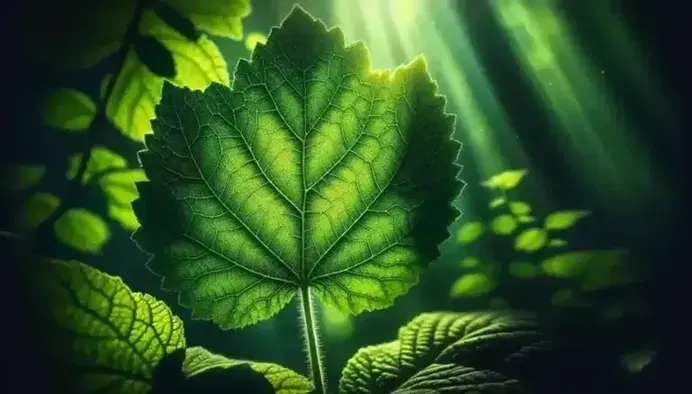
point(445, 352)
point(312, 171)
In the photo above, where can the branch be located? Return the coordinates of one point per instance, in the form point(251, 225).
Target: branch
point(100, 122)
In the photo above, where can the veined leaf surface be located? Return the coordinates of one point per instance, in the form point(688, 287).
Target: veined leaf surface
point(312, 171)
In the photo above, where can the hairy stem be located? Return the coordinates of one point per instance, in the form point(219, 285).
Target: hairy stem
point(99, 122)
point(312, 344)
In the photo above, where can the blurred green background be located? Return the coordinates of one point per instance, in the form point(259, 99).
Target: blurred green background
point(562, 106)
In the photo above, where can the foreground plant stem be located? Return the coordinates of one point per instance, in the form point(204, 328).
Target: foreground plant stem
point(307, 311)
point(99, 122)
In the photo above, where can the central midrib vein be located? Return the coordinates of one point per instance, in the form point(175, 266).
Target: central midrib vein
point(304, 281)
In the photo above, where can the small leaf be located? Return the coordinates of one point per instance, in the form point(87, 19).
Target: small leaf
point(498, 303)
point(101, 160)
point(112, 338)
point(470, 262)
point(199, 360)
point(522, 270)
point(37, 209)
point(503, 224)
point(636, 361)
point(557, 242)
point(526, 219)
point(506, 180)
point(497, 202)
point(26, 176)
point(220, 18)
point(531, 240)
point(155, 56)
point(562, 220)
point(174, 19)
point(82, 230)
point(608, 269)
point(470, 232)
point(519, 208)
point(473, 285)
point(137, 90)
point(230, 179)
point(563, 297)
point(445, 352)
point(121, 190)
point(68, 109)
point(567, 265)
point(253, 39)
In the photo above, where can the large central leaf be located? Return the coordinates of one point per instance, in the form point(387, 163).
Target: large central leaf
point(313, 171)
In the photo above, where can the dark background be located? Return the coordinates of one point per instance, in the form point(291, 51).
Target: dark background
point(664, 28)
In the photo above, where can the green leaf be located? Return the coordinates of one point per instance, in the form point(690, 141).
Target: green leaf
point(531, 240)
point(498, 303)
point(199, 360)
point(446, 352)
point(562, 220)
point(597, 269)
point(506, 180)
point(335, 323)
point(503, 224)
point(636, 361)
point(258, 190)
point(253, 39)
point(526, 219)
point(568, 265)
point(473, 285)
point(68, 109)
point(522, 270)
point(137, 90)
point(121, 190)
point(112, 338)
point(556, 243)
point(82, 230)
point(220, 18)
point(563, 297)
point(155, 56)
point(470, 232)
point(26, 176)
point(101, 160)
point(37, 209)
point(497, 202)
point(177, 21)
point(470, 262)
point(519, 208)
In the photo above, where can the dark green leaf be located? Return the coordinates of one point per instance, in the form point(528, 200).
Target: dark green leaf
point(448, 352)
point(153, 54)
point(112, 338)
point(180, 23)
point(37, 209)
point(26, 176)
point(260, 189)
point(69, 110)
point(522, 270)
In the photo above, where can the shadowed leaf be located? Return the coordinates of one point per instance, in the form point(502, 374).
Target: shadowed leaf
point(37, 209)
point(69, 110)
point(155, 56)
point(562, 220)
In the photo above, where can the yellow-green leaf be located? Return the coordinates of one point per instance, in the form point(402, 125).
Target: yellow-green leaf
point(26, 176)
point(519, 208)
point(526, 219)
point(503, 224)
point(101, 159)
point(137, 90)
point(68, 109)
point(531, 240)
point(253, 39)
point(522, 270)
point(220, 18)
point(337, 324)
point(82, 230)
point(496, 202)
point(562, 220)
point(120, 190)
point(568, 265)
point(37, 209)
point(470, 232)
point(506, 180)
point(470, 262)
point(557, 242)
point(473, 285)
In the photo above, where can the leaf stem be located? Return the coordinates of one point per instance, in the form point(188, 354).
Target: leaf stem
point(312, 344)
point(99, 122)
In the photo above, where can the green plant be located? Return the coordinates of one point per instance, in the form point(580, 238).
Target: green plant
point(541, 239)
point(311, 176)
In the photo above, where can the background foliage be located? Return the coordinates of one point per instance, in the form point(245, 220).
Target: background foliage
point(560, 112)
